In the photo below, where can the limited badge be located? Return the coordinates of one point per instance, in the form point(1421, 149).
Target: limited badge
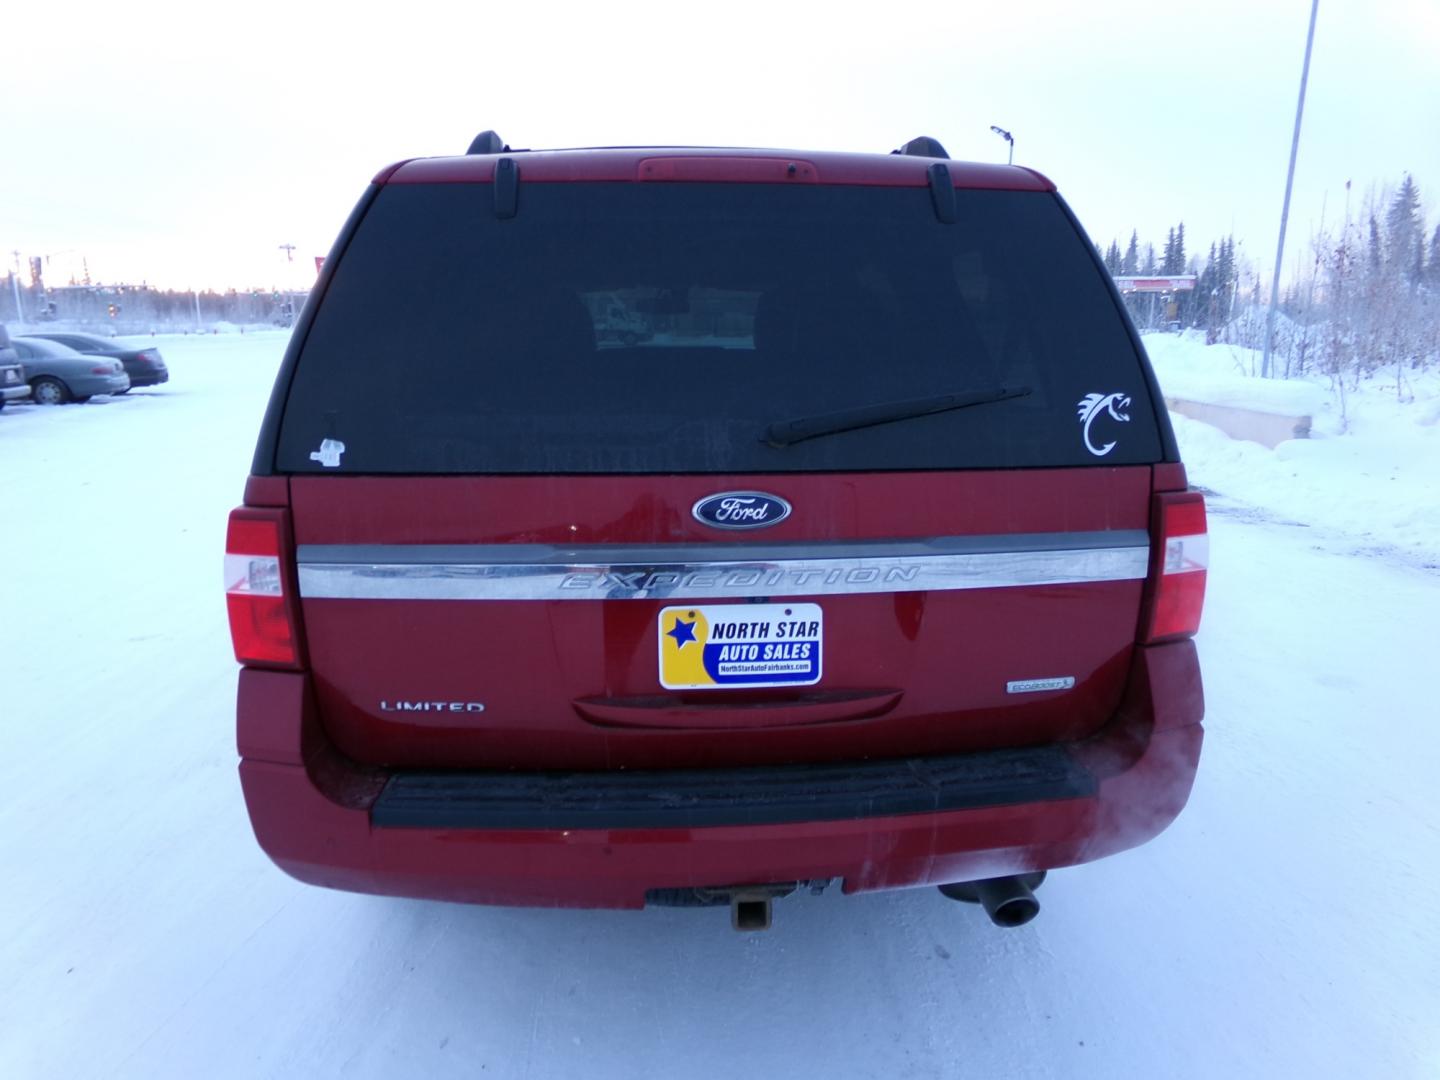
point(710, 647)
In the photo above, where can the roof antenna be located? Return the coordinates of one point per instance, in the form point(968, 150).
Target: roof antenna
point(487, 142)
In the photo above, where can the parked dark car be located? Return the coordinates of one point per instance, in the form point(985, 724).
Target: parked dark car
point(144, 365)
point(57, 374)
point(871, 564)
point(12, 375)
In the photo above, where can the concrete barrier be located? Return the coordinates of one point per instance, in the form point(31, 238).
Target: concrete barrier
point(1267, 429)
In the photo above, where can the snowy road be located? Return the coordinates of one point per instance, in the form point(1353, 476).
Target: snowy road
point(1285, 926)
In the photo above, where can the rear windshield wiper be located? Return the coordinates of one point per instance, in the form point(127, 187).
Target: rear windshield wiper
point(790, 432)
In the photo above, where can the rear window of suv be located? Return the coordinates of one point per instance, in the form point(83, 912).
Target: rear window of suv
point(665, 327)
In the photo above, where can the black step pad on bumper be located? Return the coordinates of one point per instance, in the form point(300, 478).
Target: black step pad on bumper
point(695, 798)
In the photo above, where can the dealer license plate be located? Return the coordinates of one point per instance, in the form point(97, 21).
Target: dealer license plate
point(714, 646)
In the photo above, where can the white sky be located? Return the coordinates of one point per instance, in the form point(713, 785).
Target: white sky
point(182, 143)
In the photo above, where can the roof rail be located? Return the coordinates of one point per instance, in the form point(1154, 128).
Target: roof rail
point(923, 146)
point(487, 142)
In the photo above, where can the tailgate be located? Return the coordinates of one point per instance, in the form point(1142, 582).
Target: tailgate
point(517, 621)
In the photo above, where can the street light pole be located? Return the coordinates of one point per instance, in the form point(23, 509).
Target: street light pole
point(289, 303)
point(1285, 208)
point(15, 283)
point(1008, 138)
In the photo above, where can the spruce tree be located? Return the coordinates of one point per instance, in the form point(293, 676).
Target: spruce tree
point(1227, 274)
point(1208, 288)
point(1432, 269)
point(1231, 271)
point(1131, 265)
point(1174, 262)
point(1374, 249)
point(1112, 258)
point(1403, 230)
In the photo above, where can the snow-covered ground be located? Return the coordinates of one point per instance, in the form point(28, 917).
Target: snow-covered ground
point(1370, 470)
point(1285, 926)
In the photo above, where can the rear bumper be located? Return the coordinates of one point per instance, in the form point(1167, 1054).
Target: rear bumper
point(549, 841)
point(88, 385)
point(14, 393)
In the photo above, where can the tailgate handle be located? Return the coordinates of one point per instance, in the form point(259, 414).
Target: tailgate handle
point(663, 711)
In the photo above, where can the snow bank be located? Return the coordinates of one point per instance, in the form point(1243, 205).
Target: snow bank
point(1187, 368)
point(1370, 470)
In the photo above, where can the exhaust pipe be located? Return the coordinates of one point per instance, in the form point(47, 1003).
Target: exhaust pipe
point(1009, 901)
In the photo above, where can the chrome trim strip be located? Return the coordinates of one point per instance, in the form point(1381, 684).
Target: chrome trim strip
point(719, 551)
point(717, 571)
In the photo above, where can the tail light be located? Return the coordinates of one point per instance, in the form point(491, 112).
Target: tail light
point(262, 622)
point(1177, 571)
point(105, 369)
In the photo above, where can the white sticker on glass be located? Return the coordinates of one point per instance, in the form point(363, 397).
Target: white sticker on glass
point(329, 453)
point(1091, 406)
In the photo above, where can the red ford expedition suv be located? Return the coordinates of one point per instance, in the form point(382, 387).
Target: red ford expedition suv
point(866, 559)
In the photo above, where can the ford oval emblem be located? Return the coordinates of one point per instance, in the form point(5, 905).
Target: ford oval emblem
point(741, 510)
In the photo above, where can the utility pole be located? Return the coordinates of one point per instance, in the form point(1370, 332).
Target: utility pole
point(1285, 208)
point(15, 283)
point(289, 250)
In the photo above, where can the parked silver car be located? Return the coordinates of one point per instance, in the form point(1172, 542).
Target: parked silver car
point(143, 364)
point(57, 373)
